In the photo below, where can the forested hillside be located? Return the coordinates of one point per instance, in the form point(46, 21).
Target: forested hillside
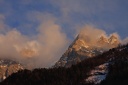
point(76, 74)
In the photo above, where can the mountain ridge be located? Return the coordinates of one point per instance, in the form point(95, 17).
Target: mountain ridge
point(8, 67)
point(81, 49)
point(116, 60)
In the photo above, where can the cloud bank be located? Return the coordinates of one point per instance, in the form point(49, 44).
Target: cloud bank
point(40, 50)
point(97, 37)
point(47, 46)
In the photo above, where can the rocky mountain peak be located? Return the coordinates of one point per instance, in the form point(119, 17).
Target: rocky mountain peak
point(7, 67)
point(78, 43)
point(81, 49)
point(103, 40)
point(113, 39)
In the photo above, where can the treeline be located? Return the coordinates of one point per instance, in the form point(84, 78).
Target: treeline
point(76, 74)
point(118, 70)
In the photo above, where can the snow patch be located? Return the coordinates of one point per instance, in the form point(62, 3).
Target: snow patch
point(98, 74)
point(96, 78)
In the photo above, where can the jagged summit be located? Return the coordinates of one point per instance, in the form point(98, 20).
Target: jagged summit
point(82, 48)
point(78, 43)
point(110, 42)
point(103, 40)
point(113, 40)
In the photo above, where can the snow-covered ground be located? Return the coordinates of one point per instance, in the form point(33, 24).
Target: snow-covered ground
point(98, 74)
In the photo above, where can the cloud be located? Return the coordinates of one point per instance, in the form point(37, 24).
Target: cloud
point(66, 7)
point(98, 38)
point(40, 50)
point(125, 41)
point(53, 39)
point(37, 16)
point(50, 42)
point(47, 46)
point(8, 41)
point(91, 32)
point(85, 7)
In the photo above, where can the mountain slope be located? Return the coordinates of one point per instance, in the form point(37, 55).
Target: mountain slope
point(7, 67)
point(117, 66)
point(83, 48)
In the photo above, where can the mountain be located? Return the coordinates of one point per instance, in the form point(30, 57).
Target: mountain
point(7, 67)
point(108, 68)
point(82, 48)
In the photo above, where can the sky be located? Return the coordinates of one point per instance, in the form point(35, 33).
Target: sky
point(109, 15)
point(53, 24)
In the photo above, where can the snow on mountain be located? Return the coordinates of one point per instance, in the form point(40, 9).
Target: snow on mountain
point(83, 48)
point(109, 68)
point(98, 74)
point(7, 67)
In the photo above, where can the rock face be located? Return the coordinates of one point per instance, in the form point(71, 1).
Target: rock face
point(7, 67)
point(81, 49)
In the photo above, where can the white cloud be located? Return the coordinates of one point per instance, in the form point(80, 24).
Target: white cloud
point(41, 50)
point(91, 35)
point(125, 41)
point(84, 6)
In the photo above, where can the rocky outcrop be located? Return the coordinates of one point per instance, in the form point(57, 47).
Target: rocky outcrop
point(7, 67)
point(80, 49)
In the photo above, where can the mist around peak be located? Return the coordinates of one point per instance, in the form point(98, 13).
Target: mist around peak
point(96, 37)
point(45, 48)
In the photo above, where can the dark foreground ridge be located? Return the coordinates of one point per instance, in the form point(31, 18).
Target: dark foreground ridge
point(117, 58)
